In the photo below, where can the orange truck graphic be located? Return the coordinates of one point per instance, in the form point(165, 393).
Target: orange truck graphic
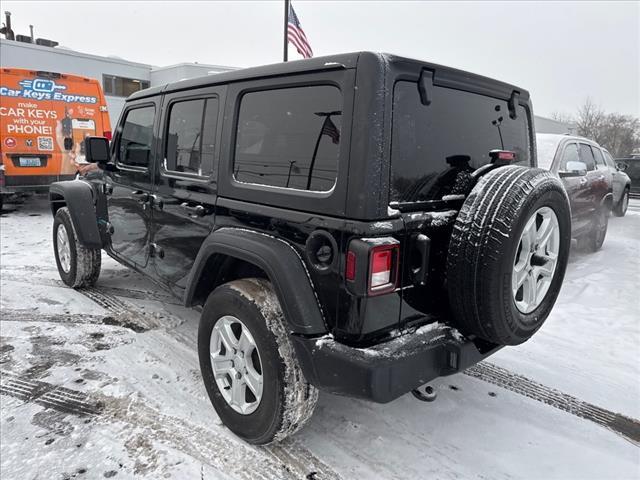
point(44, 118)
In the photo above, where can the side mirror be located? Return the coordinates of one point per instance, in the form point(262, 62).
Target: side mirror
point(96, 149)
point(574, 169)
point(621, 166)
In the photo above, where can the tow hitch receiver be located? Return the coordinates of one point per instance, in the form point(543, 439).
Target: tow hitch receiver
point(428, 395)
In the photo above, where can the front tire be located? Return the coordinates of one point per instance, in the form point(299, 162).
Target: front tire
point(248, 363)
point(78, 265)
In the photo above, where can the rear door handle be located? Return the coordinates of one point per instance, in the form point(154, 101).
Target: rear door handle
point(195, 211)
point(140, 196)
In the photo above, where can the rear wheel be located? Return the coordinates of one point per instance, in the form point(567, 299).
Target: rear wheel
point(78, 265)
point(621, 208)
point(249, 365)
point(508, 254)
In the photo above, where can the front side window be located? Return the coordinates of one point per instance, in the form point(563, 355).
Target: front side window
point(570, 154)
point(586, 155)
point(190, 139)
point(134, 147)
point(289, 138)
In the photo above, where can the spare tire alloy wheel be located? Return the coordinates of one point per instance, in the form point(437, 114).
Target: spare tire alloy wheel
point(536, 260)
point(508, 254)
point(235, 362)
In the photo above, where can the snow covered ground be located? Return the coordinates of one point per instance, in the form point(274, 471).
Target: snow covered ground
point(105, 384)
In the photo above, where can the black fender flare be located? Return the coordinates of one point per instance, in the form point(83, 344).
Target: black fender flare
point(282, 264)
point(78, 196)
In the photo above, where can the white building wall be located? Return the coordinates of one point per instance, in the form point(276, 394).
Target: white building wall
point(24, 55)
point(548, 125)
point(62, 60)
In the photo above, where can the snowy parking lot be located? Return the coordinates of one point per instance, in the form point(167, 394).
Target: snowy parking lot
point(105, 383)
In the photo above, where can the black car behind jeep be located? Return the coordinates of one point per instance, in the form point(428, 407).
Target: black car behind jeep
point(360, 224)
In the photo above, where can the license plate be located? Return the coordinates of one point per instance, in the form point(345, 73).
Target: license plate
point(29, 162)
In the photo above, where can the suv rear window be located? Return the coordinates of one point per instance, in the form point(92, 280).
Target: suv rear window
point(289, 137)
point(432, 144)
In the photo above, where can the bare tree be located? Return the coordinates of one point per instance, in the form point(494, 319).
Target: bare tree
point(589, 120)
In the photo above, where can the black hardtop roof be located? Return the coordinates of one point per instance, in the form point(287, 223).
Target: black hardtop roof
point(382, 61)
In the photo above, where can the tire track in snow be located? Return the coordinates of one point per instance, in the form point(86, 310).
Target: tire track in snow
point(48, 395)
point(288, 460)
point(10, 274)
point(629, 428)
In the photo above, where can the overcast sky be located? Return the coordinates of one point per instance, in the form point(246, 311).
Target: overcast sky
point(561, 52)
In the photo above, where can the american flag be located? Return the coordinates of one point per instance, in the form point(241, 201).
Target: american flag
point(329, 128)
point(296, 35)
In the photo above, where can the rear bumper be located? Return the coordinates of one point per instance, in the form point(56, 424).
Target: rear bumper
point(386, 371)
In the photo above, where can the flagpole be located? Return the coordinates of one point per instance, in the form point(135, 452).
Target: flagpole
point(286, 28)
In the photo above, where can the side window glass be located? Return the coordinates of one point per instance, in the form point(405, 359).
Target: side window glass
point(134, 147)
point(599, 158)
point(191, 133)
point(609, 160)
point(586, 156)
point(289, 138)
point(570, 154)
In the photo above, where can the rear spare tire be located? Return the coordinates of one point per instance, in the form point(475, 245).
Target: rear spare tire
point(508, 254)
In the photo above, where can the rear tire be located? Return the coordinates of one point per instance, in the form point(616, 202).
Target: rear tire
point(78, 265)
point(285, 401)
point(621, 208)
point(487, 243)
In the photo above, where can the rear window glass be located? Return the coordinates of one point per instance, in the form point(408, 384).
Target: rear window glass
point(435, 147)
point(289, 137)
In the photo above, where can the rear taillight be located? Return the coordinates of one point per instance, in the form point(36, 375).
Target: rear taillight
point(371, 266)
point(350, 268)
point(107, 135)
point(383, 268)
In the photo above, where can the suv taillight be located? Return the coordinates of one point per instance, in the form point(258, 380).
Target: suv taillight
point(107, 134)
point(372, 265)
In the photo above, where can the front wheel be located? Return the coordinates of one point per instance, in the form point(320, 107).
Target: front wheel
point(248, 363)
point(78, 265)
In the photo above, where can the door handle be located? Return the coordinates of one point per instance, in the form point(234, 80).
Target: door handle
point(583, 181)
point(140, 196)
point(195, 211)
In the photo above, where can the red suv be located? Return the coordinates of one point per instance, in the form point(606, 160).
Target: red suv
point(580, 163)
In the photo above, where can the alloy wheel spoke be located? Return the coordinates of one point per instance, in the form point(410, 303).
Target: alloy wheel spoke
point(227, 336)
point(254, 382)
point(238, 393)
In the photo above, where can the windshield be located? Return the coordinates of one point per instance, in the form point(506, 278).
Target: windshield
point(546, 146)
point(435, 147)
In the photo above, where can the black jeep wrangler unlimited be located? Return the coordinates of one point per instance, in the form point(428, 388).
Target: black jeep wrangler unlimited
point(360, 224)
